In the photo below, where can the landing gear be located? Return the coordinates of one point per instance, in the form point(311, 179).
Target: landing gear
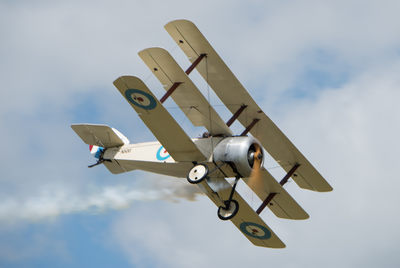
point(197, 174)
point(229, 211)
point(231, 205)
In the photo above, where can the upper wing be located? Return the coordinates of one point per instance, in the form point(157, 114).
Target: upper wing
point(282, 205)
point(100, 135)
point(233, 95)
point(158, 120)
point(246, 219)
point(186, 96)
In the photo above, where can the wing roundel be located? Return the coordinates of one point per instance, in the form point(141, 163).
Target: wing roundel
point(158, 119)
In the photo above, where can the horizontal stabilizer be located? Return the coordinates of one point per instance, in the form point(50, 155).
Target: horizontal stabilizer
point(100, 135)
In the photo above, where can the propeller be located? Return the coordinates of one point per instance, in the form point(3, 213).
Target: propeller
point(255, 159)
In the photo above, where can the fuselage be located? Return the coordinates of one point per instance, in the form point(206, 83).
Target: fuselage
point(152, 157)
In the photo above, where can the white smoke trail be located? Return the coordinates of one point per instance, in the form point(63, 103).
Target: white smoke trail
point(50, 204)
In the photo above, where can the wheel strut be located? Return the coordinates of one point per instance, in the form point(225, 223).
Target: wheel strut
point(228, 202)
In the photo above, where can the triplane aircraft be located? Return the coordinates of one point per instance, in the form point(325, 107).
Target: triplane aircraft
point(219, 154)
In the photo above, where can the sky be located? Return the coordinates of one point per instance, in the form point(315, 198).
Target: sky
point(326, 72)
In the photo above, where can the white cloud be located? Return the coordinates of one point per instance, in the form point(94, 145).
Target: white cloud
point(54, 54)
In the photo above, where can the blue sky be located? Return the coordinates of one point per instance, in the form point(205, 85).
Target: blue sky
point(325, 71)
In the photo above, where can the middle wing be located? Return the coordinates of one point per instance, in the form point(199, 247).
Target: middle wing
point(158, 119)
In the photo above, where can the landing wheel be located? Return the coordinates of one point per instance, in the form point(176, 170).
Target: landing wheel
point(228, 211)
point(197, 173)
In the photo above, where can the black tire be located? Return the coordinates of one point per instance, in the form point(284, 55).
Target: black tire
point(227, 214)
point(194, 178)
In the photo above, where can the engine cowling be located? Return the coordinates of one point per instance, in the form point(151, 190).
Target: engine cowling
point(239, 151)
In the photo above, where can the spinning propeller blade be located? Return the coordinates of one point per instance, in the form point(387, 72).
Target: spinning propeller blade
point(255, 180)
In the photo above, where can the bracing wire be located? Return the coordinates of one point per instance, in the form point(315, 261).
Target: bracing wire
point(146, 79)
point(209, 104)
